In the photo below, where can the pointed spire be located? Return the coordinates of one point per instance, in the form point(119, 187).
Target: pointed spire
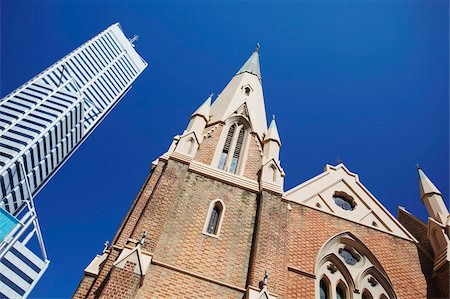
point(425, 184)
point(272, 132)
point(252, 64)
point(204, 109)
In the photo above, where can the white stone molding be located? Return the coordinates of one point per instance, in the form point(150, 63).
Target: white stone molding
point(361, 273)
point(318, 193)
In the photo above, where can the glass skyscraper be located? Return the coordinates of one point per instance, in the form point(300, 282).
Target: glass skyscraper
point(41, 124)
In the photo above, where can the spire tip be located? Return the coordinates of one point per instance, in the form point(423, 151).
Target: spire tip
point(257, 47)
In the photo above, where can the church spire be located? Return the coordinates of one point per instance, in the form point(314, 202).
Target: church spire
point(244, 90)
point(432, 198)
point(252, 64)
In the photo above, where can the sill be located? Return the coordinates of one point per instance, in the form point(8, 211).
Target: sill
point(211, 235)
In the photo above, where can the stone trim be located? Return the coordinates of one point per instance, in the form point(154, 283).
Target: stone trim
point(349, 220)
point(303, 273)
point(196, 275)
point(224, 176)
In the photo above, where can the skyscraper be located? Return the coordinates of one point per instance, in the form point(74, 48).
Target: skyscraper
point(212, 220)
point(41, 124)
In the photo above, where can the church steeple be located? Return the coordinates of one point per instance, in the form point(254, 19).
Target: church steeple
point(244, 90)
point(252, 64)
point(432, 198)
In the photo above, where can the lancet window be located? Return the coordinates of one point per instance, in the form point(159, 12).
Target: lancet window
point(233, 148)
point(214, 218)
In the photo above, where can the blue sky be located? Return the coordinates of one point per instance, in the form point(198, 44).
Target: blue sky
point(365, 81)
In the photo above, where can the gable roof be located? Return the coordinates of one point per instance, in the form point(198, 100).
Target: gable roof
point(319, 191)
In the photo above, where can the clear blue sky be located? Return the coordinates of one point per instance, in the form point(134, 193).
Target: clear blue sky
point(366, 81)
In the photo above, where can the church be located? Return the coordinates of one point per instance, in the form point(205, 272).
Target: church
point(212, 220)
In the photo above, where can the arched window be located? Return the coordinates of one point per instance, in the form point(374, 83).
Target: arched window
point(226, 147)
point(324, 289)
point(340, 291)
point(232, 149)
point(366, 295)
point(214, 218)
point(349, 266)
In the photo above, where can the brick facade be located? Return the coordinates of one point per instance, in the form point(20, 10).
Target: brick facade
point(260, 230)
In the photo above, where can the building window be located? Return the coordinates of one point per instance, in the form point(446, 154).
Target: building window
point(344, 201)
point(366, 295)
point(226, 147)
point(348, 257)
point(340, 291)
point(345, 276)
point(324, 292)
point(247, 90)
point(232, 148)
point(214, 219)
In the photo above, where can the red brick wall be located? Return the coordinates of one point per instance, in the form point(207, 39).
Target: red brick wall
point(270, 244)
point(166, 283)
point(84, 287)
point(183, 244)
point(309, 229)
point(417, 228)
point(122, 284)
point(208, 146)
point(442, 281)
point(254, 158)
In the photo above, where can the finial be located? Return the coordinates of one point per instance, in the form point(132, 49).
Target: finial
point(135, 38)
point(266, 276)
point(339, 160)
point(257, 47)
point(211, 95)
point(144, 235)
point(105, 246)
point(273, 116)
point(418, 166)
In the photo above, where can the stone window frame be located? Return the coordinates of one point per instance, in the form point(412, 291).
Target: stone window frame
point(239, 121)
point(208, 218)
point(367, 275)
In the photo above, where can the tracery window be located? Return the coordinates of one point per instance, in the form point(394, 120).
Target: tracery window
point(233, 148)
point(347, 267)
point(348, 257)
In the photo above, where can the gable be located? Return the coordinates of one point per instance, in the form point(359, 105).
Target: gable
point(359, 205)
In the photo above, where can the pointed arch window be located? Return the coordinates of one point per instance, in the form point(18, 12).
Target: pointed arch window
point(214, 219)
point(350, 265)
point(233, 148)
point(324, 289)
point(366, 295)
point(226, 147)
point(340, 291)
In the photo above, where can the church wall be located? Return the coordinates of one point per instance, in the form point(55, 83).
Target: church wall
point(254, 158)
point(84, 287)
point(207, 148)
point(270, 251)
point(310, 229)
point(156, 213)
point(183, 244)
point(442, 280)
point(166, 283)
